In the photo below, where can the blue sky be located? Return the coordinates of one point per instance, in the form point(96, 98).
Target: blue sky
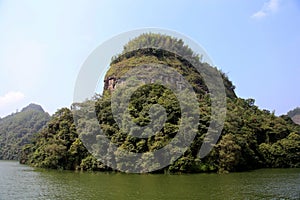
point(43, 44)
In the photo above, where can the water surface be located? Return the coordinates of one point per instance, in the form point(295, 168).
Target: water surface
point(23, 182)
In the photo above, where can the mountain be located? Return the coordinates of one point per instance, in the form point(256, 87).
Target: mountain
point(251, 138)
point(33, 107)
point(295, 115)
point(19, 128)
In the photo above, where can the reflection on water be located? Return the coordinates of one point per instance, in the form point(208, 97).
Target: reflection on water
point(23, 182)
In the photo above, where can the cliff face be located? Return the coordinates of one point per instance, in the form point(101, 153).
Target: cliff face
point(110, 83)
point(129, 60)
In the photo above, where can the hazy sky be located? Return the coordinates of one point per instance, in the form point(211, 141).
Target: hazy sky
point(43, 44)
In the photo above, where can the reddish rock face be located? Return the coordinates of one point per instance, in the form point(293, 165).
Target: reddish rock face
point(110, 83)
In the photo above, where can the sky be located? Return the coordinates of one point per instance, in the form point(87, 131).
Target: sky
point(43, 44)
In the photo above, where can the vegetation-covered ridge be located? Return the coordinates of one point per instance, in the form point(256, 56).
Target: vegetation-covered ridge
point(164, 50)
point(19, 128)
point(251, 138)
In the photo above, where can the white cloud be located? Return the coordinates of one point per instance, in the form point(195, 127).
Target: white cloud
point(273, 5)
point(268, 8)
point(10, 98)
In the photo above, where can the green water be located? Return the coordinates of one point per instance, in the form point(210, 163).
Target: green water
point(23, 182)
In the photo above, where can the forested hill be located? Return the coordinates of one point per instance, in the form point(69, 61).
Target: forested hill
point(18, 129)
point(251, 138)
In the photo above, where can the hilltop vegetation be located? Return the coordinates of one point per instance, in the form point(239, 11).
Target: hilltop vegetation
point(251, 138)
point(19, 128)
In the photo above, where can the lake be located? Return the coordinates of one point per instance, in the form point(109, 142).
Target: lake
point(23, 182)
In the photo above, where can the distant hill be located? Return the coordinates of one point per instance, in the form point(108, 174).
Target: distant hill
point(295, 115)
point(18, 129)
point(33, 106)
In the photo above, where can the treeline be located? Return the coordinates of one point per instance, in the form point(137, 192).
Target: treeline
point(251, 138)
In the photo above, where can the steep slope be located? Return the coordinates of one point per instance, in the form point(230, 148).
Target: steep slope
point(163, 50)
point(18, 129)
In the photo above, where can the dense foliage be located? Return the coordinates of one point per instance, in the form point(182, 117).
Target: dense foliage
point(58, 146)
point(18, 129)
point(251, 138)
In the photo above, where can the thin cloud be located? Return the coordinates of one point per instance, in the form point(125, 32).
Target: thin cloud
point(268, 8)
point(10, 98)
